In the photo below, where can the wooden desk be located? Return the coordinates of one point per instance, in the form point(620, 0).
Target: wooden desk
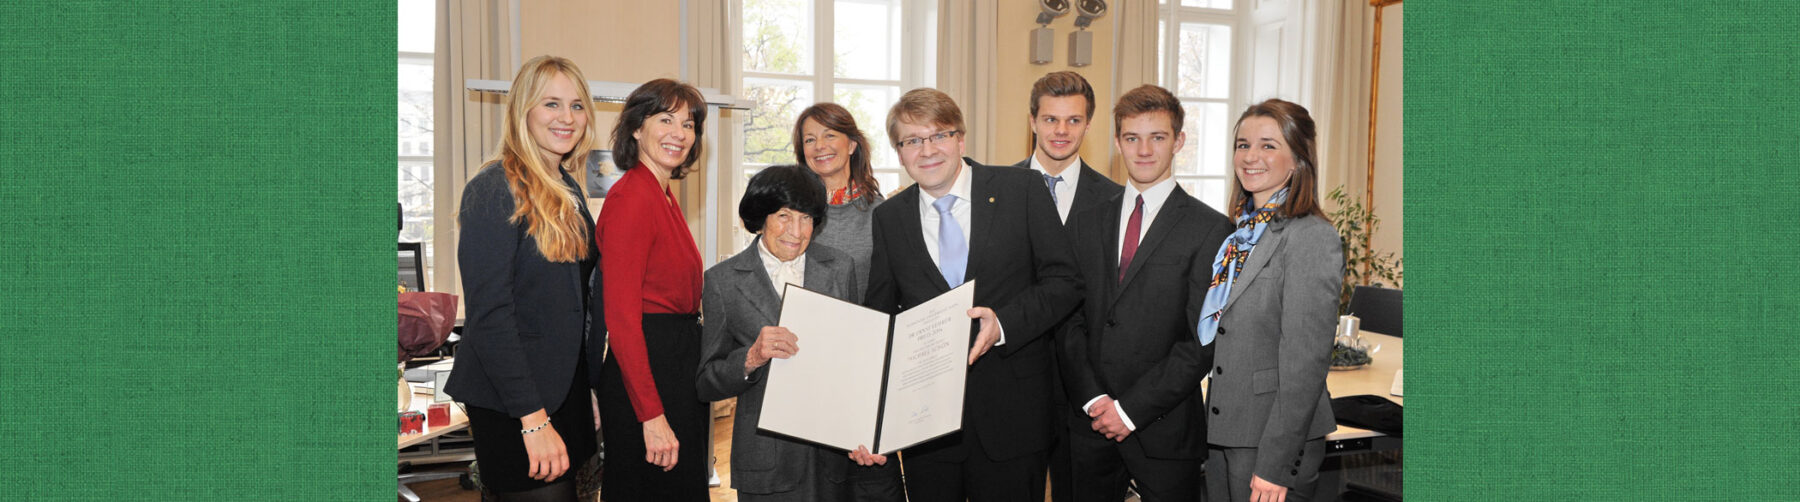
point(434, 453)
point(421, 401)
point(1376, 379)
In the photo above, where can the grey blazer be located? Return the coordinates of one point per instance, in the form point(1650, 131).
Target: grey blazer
point(738, 300)
point(1274, 346)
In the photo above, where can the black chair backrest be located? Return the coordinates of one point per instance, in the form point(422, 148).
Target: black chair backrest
point(412, 266)
point(1379, 309)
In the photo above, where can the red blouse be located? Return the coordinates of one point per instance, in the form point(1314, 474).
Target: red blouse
point(651, 265)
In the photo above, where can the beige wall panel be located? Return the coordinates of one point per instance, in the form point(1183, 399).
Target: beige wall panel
point(1389, 148)
point(611, 40)
point(1016, 74)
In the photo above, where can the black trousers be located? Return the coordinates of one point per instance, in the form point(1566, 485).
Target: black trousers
point(876, 483)
point(954, 468)
point(673, 344)
point(1102, 469)
point(500, 449)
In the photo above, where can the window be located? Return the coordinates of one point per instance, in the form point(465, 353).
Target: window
point(417, 43)
point(1197, 65)
point(861, 54)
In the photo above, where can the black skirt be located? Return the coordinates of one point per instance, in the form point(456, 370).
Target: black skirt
point(500, 449)
point(673, 344)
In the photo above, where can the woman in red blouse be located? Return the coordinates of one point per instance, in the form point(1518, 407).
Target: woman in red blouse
point(650, 281)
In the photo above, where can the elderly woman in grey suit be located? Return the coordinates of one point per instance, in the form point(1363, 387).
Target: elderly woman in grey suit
point(1271, 305)
point(741, 303)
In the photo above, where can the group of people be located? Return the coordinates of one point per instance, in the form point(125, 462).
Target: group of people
point(1100, 307)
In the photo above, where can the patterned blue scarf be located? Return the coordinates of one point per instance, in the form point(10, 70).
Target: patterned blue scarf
point(1229, 262)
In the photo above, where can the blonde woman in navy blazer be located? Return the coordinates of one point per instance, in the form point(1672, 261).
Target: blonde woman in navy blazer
point(1268, 407)
point(525, 255)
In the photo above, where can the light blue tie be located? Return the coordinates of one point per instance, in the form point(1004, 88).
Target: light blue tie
point(1051, 181)
point(953, 251)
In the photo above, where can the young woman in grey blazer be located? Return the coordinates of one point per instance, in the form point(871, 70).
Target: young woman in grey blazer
point(1271, 305)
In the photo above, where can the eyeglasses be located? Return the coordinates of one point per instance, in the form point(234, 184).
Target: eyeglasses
point(910, 144)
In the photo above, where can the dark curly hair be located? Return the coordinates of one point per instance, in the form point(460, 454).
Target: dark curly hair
point(791, 186)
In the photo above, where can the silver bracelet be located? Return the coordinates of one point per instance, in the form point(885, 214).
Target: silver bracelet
point(535, 429)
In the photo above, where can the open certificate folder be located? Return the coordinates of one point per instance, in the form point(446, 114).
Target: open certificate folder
point(849, 386)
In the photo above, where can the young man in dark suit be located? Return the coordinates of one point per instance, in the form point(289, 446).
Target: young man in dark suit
point(1130, 359)
point(962, 222)
point(1062, 107)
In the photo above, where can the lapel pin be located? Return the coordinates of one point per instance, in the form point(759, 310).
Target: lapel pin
point(990, 200)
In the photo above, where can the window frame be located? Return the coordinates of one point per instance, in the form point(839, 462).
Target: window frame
point(1171, 15)
point(429, 162)
point(918, 47)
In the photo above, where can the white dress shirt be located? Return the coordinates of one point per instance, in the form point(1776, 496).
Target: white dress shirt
point(1154, 197)
point(1065, 189)
point(781, 272)
point(963, 210)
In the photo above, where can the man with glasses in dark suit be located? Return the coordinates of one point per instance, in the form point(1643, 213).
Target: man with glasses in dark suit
point(960, 222)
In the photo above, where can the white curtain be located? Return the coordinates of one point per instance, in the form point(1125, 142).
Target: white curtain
point(966, 67)
point(1344, 104)
point(1135, 55)
point(474, 40)
point(714, 58)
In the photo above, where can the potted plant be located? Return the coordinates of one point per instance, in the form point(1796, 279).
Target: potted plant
point(1356, 225)
point(1362, 267)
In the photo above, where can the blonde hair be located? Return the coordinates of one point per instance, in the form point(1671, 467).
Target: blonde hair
point(550, 212)
point(923, 106)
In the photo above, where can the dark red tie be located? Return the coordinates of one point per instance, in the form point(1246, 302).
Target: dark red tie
point(1131, 237)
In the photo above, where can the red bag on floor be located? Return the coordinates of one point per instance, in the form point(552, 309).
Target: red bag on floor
point(425, 321)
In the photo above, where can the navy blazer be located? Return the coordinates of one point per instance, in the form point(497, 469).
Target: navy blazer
point(526, 316)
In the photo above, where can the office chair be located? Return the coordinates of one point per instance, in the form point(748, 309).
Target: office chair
point(1378, 307)
point(412, 266)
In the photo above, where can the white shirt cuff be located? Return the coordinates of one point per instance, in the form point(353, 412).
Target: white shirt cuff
point(1090, 403)
point(1002, 331)
point(1122, 417)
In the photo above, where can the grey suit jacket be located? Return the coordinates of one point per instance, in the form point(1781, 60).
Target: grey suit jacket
point(1274, 346)
point(738, 300)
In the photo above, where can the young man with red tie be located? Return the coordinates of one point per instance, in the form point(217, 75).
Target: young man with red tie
point(1130, 359)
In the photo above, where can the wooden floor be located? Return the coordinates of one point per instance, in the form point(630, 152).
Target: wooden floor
point(447, 490)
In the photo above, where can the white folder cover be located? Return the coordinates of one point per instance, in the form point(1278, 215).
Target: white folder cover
point(863, 378)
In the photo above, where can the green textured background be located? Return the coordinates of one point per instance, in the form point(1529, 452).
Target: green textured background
point(1601, 205)
point(196, 220)
point(1602, 254)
